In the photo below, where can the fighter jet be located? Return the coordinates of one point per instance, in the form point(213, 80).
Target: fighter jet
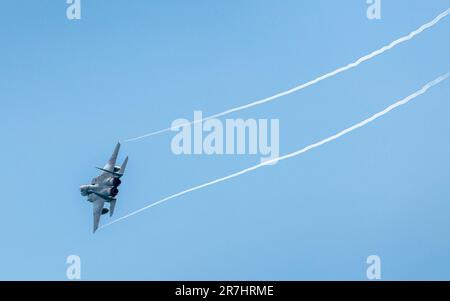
point(104, 187)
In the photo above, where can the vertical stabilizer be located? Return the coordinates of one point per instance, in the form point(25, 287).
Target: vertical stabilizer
point(112, 161)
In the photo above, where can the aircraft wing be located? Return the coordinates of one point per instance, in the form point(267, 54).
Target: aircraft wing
point(97, 203)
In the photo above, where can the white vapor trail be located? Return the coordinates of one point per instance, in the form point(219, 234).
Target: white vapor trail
point(296, 153)
point(314, 81)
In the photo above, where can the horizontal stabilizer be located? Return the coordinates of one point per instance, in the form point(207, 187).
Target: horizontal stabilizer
point(116, 174)
point(112, 205)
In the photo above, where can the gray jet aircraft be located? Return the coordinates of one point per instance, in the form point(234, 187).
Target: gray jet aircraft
point(104, 187)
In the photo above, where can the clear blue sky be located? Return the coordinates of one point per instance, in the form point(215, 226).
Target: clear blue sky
point(69, 90)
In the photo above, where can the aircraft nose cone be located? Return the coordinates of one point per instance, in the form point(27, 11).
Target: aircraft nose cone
point(84, 190)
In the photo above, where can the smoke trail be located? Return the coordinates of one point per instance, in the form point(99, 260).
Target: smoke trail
point(314, 81)
point(298, 152)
